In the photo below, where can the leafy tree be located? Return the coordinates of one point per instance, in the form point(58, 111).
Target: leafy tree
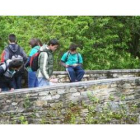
point(105, 42)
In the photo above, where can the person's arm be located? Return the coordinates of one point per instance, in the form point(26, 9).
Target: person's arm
point(1, 71)
point(2, 56)
point(5, 55)
point(27, 64)
point(43, 63)
point(63, 60)
point(64, 64)
point(11, 85)
point(24, 55)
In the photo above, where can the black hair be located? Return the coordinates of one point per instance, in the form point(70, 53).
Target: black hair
point(53, 42)
point(17, 63)
point(33, 42)
point(12, 38)
point(73, 46)
point(39, 42)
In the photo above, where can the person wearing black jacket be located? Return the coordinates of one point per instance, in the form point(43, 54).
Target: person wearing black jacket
point(8, 69)
point(14, 50)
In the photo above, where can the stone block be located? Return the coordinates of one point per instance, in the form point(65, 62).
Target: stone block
point(14, 103)
point(74, 99)
point(63, 111)
point(56, 97)
point(37, 115)
point(76, 94)
point(40, 103)
point(8, 101)
point(86, 76)
point(73, 90)
point(84, 111)
point(44, 93)
point(53, 92)
point(56, 105)
point(131, 97)
point(61, 76)
point(114, 106)
point(127, 86)
point(85, 94)
point(61, 91)
point(139, 119)
point(45, 98)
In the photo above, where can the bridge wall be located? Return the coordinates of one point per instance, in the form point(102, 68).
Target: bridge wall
point(73, 102)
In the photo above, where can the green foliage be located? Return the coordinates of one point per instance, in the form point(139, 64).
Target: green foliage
point(104, 42)
point(27, 102)
point(23, 120)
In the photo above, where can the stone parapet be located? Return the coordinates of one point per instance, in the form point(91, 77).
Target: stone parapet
point(56, 104)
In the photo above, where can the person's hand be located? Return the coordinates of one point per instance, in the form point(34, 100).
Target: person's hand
point(67, 66)
point(12, 89)
point(53, 80)
point(75, 65)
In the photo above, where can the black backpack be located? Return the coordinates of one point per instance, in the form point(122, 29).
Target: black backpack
point(34, 60)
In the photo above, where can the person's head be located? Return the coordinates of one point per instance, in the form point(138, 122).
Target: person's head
point(39, 42)
point(53, 44)
point(73, 48)
point(12, 38)
point(15, 64)
point(33, 42)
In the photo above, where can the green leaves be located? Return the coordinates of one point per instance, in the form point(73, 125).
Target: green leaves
point(104, 42)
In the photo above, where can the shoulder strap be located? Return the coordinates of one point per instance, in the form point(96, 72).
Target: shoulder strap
point(43, 51)
point(78, 57)
point(67, 56)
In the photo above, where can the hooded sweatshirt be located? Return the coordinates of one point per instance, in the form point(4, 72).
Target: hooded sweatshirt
point(45, 62)
point(13, 49)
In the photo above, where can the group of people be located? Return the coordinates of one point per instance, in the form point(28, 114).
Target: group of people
point(14, 61)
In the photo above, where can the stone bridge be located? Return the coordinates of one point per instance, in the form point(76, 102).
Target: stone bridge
point(104, 96)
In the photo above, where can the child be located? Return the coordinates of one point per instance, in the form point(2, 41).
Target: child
point(72, 61)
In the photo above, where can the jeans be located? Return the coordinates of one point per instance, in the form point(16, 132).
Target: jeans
point(75, 73)
point(43, 82)
point(32, 79)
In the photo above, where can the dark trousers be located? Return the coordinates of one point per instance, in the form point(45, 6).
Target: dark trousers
point(17, 80)
point(6, 83)
point(75, 73)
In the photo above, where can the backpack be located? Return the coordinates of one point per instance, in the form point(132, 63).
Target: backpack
point(15, 55)
point(34, 60)
point(69, 54)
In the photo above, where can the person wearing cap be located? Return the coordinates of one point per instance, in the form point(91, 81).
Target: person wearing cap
point(8, 69)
